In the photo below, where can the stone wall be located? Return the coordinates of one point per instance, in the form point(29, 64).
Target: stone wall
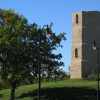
point(85, 32)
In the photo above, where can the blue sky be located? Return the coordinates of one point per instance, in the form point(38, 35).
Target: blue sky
point(57, 11)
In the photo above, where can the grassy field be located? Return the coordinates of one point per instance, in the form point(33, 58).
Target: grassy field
point(59, 90)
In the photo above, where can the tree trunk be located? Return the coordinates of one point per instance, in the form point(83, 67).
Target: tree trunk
point(13, 87)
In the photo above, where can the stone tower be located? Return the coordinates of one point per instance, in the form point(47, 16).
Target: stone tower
point(86, 31)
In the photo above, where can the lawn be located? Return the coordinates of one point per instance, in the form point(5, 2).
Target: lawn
point(58, 90)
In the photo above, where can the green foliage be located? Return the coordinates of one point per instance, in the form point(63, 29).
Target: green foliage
point(24, 47)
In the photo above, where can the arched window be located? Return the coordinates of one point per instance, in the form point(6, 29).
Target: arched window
point(94, 46)
point(77, 19)
point(94, 43)
point(76, 52)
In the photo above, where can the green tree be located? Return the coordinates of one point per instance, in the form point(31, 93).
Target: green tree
point(24, 47)
point(11, 48)
point(43, 42)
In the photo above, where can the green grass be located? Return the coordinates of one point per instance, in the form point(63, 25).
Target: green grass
point(58, 90)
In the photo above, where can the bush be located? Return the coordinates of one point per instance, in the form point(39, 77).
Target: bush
point(92, 77)
point(4, 84)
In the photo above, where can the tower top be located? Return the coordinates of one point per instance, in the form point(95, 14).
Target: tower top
point(87, 12)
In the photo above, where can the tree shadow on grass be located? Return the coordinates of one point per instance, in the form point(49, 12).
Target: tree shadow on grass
point(0, 96)
point(65, 93)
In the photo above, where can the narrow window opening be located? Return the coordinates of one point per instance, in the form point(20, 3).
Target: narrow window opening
point(76, 18)
point(76, 52)
point(94, 45)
